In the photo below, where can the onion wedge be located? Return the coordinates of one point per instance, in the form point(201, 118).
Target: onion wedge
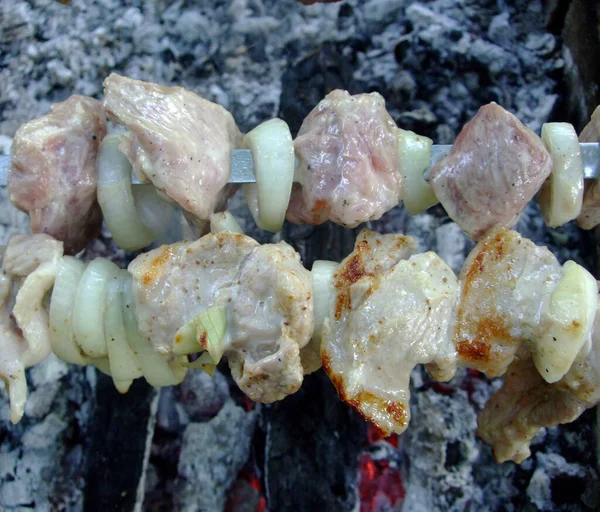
point(135, 218)
point(62, 337)
point(31, 314)
point(224, 221)
point(124, 366)
point(88, 312)
point(102, 364)
point(566, 322)
point(561, 195)
point(323, 292)
point(274, 165)
point(414, 156)
point(205, 333)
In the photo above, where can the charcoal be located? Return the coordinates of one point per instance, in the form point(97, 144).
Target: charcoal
point(212, 454)
point(123, 428)
point(311, 450)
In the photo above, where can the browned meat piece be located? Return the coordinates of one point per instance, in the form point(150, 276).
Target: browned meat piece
point(53, 171)
point(494, 169)
point(389, 314)
point(503, 284)
point(526, 402)
point(178, 141)
point(590, 211)
point(348, 154)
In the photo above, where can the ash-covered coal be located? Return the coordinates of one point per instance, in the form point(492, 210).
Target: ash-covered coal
point(436, 62)
point(42, 459)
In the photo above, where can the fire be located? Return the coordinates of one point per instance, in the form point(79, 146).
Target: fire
point(380, 485)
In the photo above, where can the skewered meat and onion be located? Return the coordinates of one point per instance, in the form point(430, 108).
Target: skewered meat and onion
point(383, 310)
point(351, 165)
point(370, 319)
point(178, 141)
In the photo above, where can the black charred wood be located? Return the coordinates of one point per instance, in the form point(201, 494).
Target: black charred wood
point(118, 445)
point(312, 446)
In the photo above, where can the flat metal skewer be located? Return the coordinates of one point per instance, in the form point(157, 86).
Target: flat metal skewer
point(242, 167)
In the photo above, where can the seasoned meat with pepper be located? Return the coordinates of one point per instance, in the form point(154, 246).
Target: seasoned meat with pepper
point(264, 294)
point(272, 319)
point(348, 162)
point(389, 314)
point(178, 141)
point(494, 169)
point(53, 171)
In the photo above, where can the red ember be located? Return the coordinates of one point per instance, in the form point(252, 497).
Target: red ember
point(380, 486)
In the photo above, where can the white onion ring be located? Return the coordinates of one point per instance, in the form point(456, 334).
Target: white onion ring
point(323, 293)
point(414, 156)
point(125, 211)
point(62, 338)
point(561, 195)
point(322, 274)
point(156, 368)
point(155, 213)
point(88, 312)
point(224, 221)
point(124, 365)
point(102, 364)
point(274, 165)
point(566, 322)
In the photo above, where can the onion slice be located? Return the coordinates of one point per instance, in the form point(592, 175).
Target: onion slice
point(88, 312)
point(204, 333)
point(124, 365)
point(414, 156)
point(102, 364)
point(156, 368)
point(154, 212)
point(274, 165)
point(224, 221)
point(566, 323)
point(31, 314)
point(561, 196)
point(322, 275)
point(135, 218)
point(62, 337)
point(323, 292)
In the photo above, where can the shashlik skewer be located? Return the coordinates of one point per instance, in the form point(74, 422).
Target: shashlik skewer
point(381, 311)
point(242, 165)
point(352, 165)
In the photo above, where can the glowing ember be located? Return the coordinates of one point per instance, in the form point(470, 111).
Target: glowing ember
point(246, 493)
point(380, 486)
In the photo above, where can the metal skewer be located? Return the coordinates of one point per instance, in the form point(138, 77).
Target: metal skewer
point(242, 167)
